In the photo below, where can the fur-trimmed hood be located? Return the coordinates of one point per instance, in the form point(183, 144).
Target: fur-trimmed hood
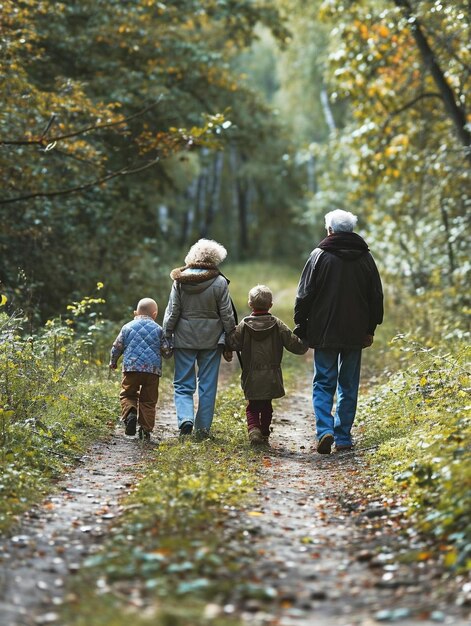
point(194, 274)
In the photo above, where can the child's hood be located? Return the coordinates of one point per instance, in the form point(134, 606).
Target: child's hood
point(260, 326)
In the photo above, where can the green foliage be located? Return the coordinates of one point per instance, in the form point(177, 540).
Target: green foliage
point(172, 543)
point(52, 405)
point(404, 155)
point(419, 425)
point(281, 279)
point(112, 105)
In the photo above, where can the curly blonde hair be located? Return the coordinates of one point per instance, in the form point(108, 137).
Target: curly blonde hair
point(206, 252)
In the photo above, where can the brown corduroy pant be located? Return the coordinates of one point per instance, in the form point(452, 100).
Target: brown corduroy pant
point(140, 388)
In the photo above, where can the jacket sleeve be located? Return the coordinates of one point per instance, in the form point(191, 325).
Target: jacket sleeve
point(117, 349)
point(225, 307)
point(375, 301)
point(305, 293)
point(172, 312)
point(235, 339)
point(290, 341)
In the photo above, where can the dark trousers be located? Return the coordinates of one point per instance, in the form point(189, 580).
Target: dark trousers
point(259, 414)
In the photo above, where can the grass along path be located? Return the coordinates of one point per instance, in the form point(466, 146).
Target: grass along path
point(215, 533)
point(54, 537)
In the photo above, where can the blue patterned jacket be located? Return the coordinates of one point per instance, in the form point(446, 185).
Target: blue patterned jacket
point(141, 343)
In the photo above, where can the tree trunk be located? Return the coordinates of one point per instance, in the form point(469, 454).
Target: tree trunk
point(212, 206)
point(188, 214)
point(455, 112)
point(450, 251)
point(329, 118)
point(200, 205)
point(240, 200)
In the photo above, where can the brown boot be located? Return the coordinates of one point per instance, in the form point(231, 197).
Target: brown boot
point(255, 437)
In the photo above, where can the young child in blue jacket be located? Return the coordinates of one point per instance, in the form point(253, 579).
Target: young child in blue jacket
point(142, 345)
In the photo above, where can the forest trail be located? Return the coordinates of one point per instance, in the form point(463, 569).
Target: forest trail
point(326, 558)
point(331, 558)
point(57, 535)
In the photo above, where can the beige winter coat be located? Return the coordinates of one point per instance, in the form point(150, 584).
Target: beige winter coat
point(261, 339)
point(199, 309)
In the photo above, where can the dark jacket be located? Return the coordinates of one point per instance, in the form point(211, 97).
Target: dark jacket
point(199, 309)
point(261, 338)
point(339, 299)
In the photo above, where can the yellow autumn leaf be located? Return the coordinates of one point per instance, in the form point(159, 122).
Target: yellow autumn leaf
point(3, 300)
point(383, 31)
point(255, 513)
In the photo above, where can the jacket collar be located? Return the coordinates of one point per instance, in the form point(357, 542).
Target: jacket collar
point(200, 273)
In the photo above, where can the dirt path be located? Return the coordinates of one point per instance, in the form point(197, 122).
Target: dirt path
point(57, 535)
point(325, 557)
point(328, 557)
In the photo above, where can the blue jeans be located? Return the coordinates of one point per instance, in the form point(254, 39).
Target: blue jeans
point(336, 370)
point(187, 363)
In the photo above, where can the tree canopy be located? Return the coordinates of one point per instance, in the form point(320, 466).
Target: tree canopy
point(129, 129)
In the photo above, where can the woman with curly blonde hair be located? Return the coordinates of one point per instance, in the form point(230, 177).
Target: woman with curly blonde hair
point(198, 314)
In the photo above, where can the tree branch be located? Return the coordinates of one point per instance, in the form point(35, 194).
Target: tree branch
point(124, 171)
point(455, 111)
point(42, 140)
point(429, 94)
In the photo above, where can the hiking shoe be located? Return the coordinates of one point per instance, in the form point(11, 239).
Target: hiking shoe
point(343, 448)
point(186, 428)
point(324, 444)
point(131, 422)
point(256, 438)
point(143, 434)
point(202, 433)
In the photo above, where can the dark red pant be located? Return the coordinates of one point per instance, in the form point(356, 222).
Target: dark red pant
point(259, 414)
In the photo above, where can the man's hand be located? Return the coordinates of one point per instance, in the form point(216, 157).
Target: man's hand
point(368, 341)
point(300, 331)
point(227, 354)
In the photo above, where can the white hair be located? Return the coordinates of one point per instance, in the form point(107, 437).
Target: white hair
point(207, 252)
point(340, 221)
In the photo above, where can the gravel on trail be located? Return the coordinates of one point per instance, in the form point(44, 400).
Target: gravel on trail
point(324, 554)
point(328, 555)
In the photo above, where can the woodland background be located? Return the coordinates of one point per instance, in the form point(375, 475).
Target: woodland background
point(131, 128)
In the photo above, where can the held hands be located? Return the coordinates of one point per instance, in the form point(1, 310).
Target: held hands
point(300, 331)
point(368, 341)
point(113, 366)
point(227, 354)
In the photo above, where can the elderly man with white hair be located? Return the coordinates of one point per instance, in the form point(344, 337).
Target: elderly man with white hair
point(339, 303)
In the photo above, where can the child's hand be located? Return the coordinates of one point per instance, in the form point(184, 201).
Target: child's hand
point(368, 341)
point(113, 366)
point(167, 353)
point(227, 354)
